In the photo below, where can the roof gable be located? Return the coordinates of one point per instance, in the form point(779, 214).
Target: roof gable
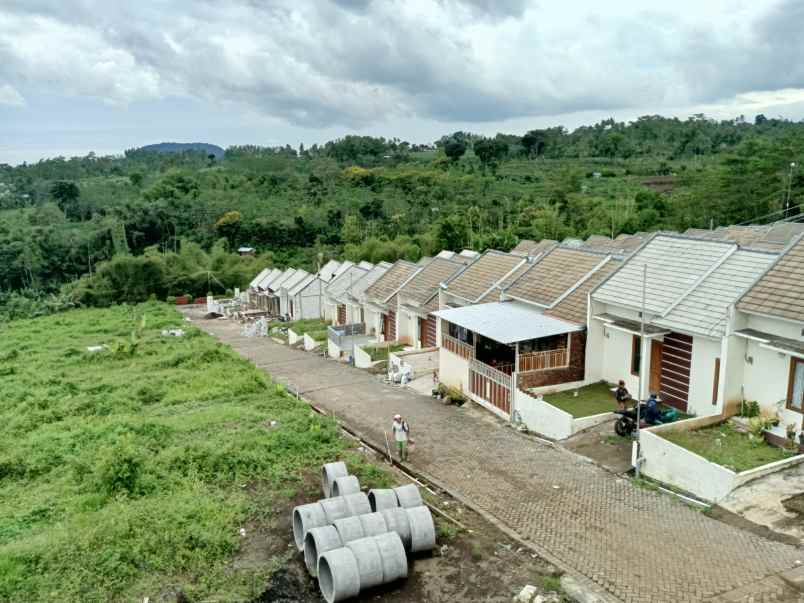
point(421, 287)
point(554, 275)
point(675, 265)
point(387, 284)
point(477, 278)
point(780, 291)
point(345, 281)
point(573, 307)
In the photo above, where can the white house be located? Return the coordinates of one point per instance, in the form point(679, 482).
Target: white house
point(770, 327)
point(380, 300)
point(355, 296)
point(306, 298)
point(266, 296)
point(418, 298)
point(688, 355)
point(329, 271)
point(336, 290)
point(283, 293)
point(532, 338)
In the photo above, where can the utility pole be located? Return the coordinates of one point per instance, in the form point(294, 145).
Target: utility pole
point(641, 370)
point(789, 188)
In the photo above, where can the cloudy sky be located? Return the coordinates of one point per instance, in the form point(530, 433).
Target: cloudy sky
point(91, 75)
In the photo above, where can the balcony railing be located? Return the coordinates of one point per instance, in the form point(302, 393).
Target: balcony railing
point(464, 350)
point(541, 361)
point(495, 374)
point(339, 334)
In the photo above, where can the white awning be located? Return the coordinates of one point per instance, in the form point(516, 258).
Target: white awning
point(507, 322)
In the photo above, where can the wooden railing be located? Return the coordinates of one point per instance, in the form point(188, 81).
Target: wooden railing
point(491, 385)
point(540, 361)
point(464, 350)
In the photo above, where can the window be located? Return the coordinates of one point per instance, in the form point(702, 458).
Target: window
point(795, 389)
point(636, 354)
point(461, 334)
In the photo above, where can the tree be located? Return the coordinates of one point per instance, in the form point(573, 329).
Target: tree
point(454, 149)
point(534, 142)
point(452, 233)
point(490, 151)
point(228, 226)
point(66, 195)
point(351, 233)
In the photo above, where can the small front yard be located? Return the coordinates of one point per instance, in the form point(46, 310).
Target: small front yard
point(381, 351)
point(724, 445)
point(591, 400)
point(319, 336)
point(308, 325)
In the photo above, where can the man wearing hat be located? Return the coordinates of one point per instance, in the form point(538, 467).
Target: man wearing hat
point(401, 430)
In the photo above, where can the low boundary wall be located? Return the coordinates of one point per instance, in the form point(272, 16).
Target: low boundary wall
point(544, 418)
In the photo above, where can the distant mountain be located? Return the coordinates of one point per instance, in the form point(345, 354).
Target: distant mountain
point(181, 147)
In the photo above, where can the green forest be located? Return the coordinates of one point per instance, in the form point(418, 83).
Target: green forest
point(98, 230)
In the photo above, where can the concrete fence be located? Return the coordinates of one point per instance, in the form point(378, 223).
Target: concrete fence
point(310, 343)
point(293, 337)
point(672, 464)
point(544, 418)
point(421, 361)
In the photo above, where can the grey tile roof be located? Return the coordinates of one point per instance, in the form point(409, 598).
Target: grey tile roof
point(780, 291)
point(574, 306)
point(420, 287)
point(477, 278)
point(553, 275)
point(704, 310)
point(341, 284)
point(358, 291)
point(385, 286)
point(675, 264)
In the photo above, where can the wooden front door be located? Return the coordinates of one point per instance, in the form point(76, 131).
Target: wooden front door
point(655, 366)
point(341, 314)
point(676, 365)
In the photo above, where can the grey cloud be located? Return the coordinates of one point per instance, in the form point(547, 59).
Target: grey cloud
point(357, 62)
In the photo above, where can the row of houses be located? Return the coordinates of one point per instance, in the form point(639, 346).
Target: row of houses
point(705, 319)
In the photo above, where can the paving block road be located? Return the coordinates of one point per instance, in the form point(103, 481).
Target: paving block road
point(633, 543)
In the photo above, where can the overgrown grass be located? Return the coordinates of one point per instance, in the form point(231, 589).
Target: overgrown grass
point(724, 445)
point(124, 473)
point(308, 325)
point(591, 400)
point(381, 351)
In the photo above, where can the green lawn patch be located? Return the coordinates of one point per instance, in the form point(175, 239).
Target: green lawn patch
point(128, 473)
point(307, 326)
point(319, 336)
point(724, 445)
point(591, 400)
point(380, 352)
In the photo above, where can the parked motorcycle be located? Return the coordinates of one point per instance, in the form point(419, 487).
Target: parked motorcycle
point(627, 423)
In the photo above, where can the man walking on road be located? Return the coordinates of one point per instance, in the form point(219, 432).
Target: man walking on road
point(401, 430)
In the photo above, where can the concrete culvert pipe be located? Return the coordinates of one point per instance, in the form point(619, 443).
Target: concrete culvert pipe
point(334, 509)
point(329, 472)
point(358, 503)
point(397, 521)
point(382, 499)
point(422, 529)
point(408, 496)
point(392, 555)
point(369, 562)
point(373, 524)
point(318, 541)
point(338, 575)
point(349, 529)
point(347, 484)
point(305, 518)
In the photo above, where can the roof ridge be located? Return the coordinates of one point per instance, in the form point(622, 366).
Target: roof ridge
point(580, 282)
point(729, 252)
point(793, 242)
point(496, 283)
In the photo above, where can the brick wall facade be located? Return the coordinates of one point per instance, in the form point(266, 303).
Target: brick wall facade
point(573, 372)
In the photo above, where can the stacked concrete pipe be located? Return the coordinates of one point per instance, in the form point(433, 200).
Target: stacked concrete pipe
point(361, 564)
point(329, 473)
point(345, 484)
point(325, 512)
point(339, 534)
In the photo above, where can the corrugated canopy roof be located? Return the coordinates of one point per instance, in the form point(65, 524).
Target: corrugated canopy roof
point(506, 322)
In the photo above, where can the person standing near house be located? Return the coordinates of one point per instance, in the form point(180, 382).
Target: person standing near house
point(621, 394)
point(401, 431)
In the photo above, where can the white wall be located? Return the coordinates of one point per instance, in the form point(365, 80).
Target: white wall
point(541, 417)
point(702, 376)
point(333, 351)
point(616, 359)
point(310, 343)
point(293, 337)
point(453, 370)
point(421, 361)
point(362, 358)
point(406, 327)
point(309, 300)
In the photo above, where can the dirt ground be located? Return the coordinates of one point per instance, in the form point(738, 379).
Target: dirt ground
point(603, 446)
point(477, 564)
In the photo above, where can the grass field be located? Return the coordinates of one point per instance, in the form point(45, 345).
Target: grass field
point(724, 445)
point(380, 351)
point(129, 472)
point(591, 400)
